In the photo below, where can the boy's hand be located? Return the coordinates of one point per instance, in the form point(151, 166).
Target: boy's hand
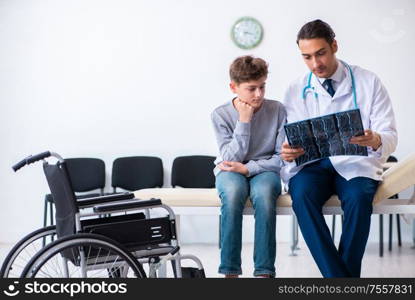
point(370, 138)
point(245, 110)
point(233, 166)
point(289, 154)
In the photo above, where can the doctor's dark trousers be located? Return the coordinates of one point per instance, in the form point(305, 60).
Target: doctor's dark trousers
point(310, 189)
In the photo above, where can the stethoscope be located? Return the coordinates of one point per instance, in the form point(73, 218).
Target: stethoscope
point(309, 88)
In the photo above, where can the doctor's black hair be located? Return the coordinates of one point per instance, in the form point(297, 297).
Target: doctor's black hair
point(316, 29)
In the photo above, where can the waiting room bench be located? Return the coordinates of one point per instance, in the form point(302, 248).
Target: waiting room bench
point(398, 177)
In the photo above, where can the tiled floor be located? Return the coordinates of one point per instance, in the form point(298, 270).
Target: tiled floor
point(400, 262)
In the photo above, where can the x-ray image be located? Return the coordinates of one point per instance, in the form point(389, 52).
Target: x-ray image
point(326, 136)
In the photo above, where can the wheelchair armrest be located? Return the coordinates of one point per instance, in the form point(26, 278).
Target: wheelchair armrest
point(87, 202)
point(125, 205)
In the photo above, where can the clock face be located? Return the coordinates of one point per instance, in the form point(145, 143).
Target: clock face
point(247, 33)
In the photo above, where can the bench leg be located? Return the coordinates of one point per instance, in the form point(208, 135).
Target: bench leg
point(380, 235)
point(398, 225)
point(413, 233)
point(294, 236)
point(390, 231)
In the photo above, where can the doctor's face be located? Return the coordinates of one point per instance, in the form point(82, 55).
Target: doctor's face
point(319, 56)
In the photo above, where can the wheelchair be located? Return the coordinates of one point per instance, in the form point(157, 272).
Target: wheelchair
point(112, 236)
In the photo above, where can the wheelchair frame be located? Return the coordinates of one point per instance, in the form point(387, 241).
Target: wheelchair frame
point(151, 252)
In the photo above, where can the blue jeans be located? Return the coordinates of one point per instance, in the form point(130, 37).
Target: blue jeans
point(263, 190)
point(310, 189)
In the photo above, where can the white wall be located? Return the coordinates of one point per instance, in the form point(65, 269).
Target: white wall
point(115, 78)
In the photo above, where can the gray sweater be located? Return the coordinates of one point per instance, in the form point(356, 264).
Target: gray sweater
point(256, 144)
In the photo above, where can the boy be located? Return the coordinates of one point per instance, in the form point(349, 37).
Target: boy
point(249, 131)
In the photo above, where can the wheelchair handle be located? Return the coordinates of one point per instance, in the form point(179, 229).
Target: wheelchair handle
point(19, 165)
point(31, 159)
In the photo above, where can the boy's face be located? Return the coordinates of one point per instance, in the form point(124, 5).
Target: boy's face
point(319, 56)
point(251, 92)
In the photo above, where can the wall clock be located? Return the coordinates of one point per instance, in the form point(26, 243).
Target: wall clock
point(247, 33)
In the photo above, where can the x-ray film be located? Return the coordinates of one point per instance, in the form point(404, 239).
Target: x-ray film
point(326, 136)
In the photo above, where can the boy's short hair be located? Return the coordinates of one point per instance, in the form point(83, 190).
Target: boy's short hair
point(247, 68)
point(316, 29)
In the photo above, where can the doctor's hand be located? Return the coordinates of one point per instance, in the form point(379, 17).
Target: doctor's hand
point(233, 166)
point(245, 110)
point(289, 154)
point(370, 138)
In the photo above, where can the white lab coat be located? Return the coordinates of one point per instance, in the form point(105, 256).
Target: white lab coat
point(376, 111)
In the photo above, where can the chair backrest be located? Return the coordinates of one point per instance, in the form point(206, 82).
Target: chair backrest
point(195, 171)
point(63, 196)
point(137, 172)
point(86, 174)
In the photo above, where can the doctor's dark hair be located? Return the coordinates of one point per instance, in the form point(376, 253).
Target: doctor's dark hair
point(316, 29)
point(247, 68)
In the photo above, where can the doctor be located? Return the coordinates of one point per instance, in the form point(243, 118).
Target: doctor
point(332, 86)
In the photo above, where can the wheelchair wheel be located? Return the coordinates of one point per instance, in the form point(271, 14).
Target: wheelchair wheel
point(84, 255)
point(24, 250)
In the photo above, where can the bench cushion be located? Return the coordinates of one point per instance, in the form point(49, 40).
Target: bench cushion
point(203, 197)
